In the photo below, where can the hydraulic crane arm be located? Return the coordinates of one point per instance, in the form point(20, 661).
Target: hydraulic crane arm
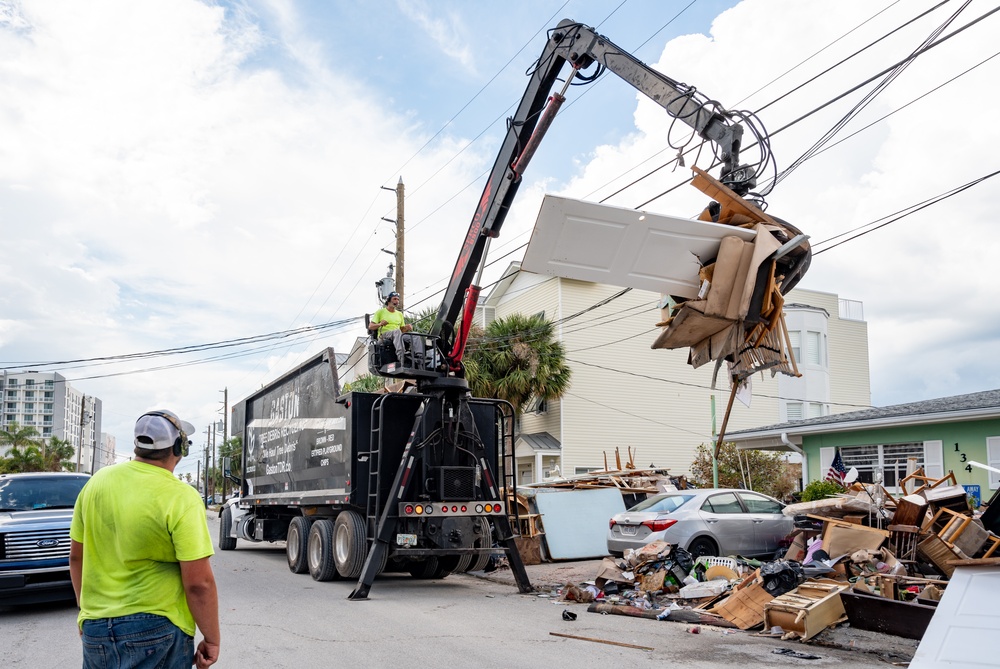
point(579, 46)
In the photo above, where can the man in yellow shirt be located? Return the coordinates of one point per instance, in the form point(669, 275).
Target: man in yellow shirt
point(139, 558)
point(390, 324)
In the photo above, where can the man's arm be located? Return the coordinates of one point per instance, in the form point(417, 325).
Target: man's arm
point(203, 600)
point(76, 567)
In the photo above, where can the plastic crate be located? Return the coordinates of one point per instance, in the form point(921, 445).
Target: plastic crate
point(724, 561)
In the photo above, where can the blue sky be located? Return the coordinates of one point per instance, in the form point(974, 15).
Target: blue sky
point(173, 173)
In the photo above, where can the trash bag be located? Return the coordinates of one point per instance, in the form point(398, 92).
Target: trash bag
point(781, 576)
point(678, 566)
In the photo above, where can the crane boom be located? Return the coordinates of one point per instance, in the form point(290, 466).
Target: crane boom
point(579, 46)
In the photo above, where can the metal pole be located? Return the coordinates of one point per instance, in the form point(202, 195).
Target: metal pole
point(93, 455)
point(79, 443)
point(225, 435)
point(212, 480)
point(399, 239)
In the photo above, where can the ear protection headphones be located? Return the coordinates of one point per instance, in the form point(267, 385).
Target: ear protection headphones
point(181, 443)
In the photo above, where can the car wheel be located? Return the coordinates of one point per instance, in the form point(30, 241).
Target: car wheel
point(297, 545)
point(703, 547)
point(322, 566)
point(226, 542)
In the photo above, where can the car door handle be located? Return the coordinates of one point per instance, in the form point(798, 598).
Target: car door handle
point(711, 521)
point(757, 522)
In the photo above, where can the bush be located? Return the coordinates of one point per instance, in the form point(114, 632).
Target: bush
point(821, 490)
point(762, 471)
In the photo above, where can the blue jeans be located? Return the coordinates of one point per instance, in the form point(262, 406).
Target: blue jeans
point(139, 641)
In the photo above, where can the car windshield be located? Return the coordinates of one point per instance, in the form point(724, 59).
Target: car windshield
point(661, 503)
point(39, 492)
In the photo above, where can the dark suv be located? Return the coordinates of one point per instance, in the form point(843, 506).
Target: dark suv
point(35, 513)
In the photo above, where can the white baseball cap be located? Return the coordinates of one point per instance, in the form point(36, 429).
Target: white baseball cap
point(155, 431)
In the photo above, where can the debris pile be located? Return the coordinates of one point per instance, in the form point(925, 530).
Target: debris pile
point(876, 561)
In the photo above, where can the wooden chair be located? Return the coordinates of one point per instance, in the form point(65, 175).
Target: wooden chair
point(926, 481)
point(903, 541)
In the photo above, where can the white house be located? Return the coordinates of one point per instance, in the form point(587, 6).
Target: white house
point(625, 395)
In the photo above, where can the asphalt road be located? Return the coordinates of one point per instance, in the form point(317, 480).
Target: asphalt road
point(273, 618)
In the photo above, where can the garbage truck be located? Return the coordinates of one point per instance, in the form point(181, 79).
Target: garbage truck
point(420, 481)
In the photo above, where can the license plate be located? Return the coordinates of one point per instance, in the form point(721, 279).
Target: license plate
point(629, 530)
point(406, 540)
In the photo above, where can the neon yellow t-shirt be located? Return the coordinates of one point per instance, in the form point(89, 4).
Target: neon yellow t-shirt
point(136, 521)
point(395, 319)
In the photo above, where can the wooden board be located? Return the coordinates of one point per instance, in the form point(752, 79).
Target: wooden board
point(745, 608)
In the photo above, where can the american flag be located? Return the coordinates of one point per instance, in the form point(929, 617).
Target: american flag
point(837, 470)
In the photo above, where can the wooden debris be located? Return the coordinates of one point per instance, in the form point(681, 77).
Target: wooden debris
point(612, 643)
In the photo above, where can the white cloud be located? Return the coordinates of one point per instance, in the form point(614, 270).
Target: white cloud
point(446, 30)
point(173, 173)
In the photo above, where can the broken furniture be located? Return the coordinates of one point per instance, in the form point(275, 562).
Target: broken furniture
point(745, 606)
point(903, 540)
point(880, 614)
point(808, 609)
point(959, 531)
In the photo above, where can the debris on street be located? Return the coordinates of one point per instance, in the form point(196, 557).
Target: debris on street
point(875, 562)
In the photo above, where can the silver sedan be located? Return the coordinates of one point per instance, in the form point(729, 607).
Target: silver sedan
point(715, 521)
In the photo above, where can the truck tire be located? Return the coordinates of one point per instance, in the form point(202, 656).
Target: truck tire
point(321, 564)
point(485, 540)
point(447, 564)
point(349, 545)
point(226, 542)
point(297, 545)
point(424, 569)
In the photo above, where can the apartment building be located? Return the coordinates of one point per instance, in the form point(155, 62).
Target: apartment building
point(48, 403)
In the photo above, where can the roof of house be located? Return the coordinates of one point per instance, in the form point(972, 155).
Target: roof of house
point(540, 441)
point(973, 406)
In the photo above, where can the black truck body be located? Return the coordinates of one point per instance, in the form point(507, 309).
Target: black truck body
point(313, 454)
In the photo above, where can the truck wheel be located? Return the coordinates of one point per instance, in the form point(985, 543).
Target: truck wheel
point(297, 545)
point(321, 564)
point(424, 569)
point(447, 564)
point(349, 546)
point(226, 542)
point(485, 540)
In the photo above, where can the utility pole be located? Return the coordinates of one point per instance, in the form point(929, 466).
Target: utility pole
point(399, 190)
point(225, 434)
point(213, 460)
point(205, 485)
point(79, 443)
point(399, 238)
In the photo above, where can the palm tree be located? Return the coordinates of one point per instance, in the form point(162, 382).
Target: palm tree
point(15, 435)
point(517, 359)
point(24, 454)
point(58, 455)
point(26, 459)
